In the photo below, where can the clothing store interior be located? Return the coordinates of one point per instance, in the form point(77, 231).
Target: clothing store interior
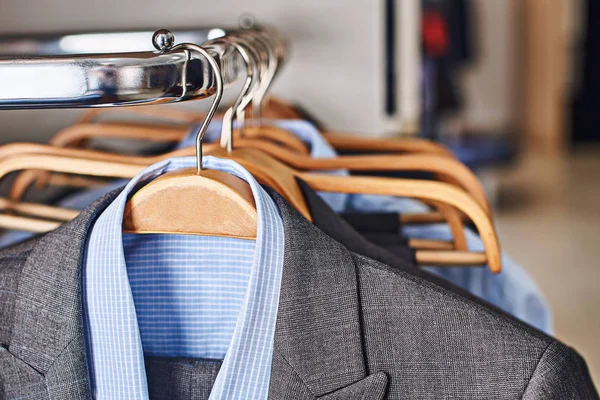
point(342, 199)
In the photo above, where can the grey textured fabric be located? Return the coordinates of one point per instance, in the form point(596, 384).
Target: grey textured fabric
point(180, 378)
point(430, 342)
point(348, 327)
point(372, 388)
point(42, 354)
point(556, 376)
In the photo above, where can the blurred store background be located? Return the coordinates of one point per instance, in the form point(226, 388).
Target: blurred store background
point(511, 85)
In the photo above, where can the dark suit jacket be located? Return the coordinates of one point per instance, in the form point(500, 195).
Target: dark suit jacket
point(348, 327)
point(373, 222)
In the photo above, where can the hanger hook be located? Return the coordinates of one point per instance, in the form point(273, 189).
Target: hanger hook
point(243, 99)
point(163, 41)
point(260, 57)
point(270, 70)
point(281, 48)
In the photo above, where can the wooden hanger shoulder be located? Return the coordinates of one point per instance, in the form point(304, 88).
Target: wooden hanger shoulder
point(75, 134)
point(341, 141)
point(26, 224)
point(447, 169)
point(269, 171)
point(289, 189)
point(277, 135)
point(38, 210)
point(278, 108)
point(165, 113)
point(26, 178)
point(48, 162)
point(212, 203)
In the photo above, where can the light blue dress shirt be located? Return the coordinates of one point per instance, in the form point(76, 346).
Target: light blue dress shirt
point(513, 290)
point(182, 296)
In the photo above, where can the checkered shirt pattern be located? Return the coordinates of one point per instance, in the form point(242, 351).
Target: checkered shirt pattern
point(178, 295)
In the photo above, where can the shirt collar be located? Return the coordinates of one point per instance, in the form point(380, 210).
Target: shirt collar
point(115, 353)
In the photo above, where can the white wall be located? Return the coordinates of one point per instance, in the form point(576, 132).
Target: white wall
point(492, 83)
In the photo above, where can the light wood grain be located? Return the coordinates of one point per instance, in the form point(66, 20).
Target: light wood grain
point(212, 203)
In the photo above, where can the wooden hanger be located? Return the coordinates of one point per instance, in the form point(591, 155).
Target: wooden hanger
point(278, 135)
point(74, 135)
point(256, 161)
point(361, 144)
point(428, 191)
point(195, 201)
point(446, 169)
point(37, 210)
point(26, 224)
point(204, 202)
point(424, 190)
point(209, 203)
point(340, 141)
point(23, 181)
point(45, 218)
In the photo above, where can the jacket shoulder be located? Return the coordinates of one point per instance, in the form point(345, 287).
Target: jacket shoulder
point(433, 290)
point(560, 374)
point(430, 339)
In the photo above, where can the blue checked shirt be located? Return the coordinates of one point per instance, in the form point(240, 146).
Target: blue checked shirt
point(182, 296)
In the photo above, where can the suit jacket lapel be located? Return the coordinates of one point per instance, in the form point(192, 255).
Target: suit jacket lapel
point(48, 314)
point(318, 333)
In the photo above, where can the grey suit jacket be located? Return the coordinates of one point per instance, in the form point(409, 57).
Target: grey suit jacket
point(348, 327)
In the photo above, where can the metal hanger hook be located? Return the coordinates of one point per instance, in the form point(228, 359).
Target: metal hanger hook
point(271, 64)
point(259, 54)
point(244, 98)
point(163, 41)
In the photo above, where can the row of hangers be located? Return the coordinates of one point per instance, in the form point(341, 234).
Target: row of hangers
point(271, 154)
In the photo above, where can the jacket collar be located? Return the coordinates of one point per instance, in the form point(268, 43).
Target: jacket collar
point(334, 226)
point(319, 330)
